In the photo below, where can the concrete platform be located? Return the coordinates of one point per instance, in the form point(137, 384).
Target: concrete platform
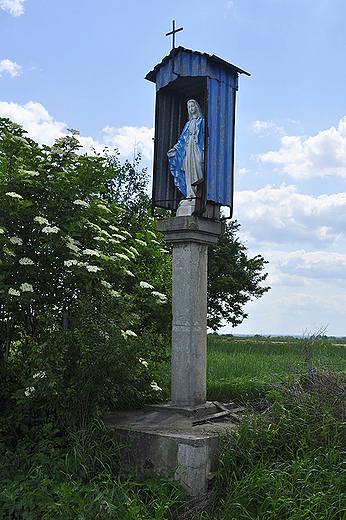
point(164, 442)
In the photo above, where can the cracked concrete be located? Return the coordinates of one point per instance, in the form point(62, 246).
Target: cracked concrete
point(165, 443)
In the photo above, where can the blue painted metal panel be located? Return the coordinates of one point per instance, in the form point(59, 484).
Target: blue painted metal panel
point(184, 62)
point(213, 82)
point(220, 158)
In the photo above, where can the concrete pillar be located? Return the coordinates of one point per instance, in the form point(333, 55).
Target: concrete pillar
point(190, 237)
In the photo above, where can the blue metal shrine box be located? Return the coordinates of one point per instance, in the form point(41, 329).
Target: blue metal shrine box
point(182, 75)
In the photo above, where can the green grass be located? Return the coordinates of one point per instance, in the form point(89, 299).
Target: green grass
point(79, 477)
point(246, 368)
point(287, 463)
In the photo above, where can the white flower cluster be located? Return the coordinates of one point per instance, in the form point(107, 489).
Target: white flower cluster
point(128, 273)
point(102, 206)
point(121, 256)
point(2, 231)
point(50, 229)
point(41, 220)
point(114, 293)
point(16, 240)
point(90, 268)
point(145, 285)
point(128, 333)
point(93, 225)
point(90, 252)
point(26, 287)
point(113, 228)
point(93, 268)
point(134, 250)
point(32, 174)
point(28, 391)
point(119, 236)
point(106, 284)
point(143, 362)
point(13, 195)
point(130, 253)
point(26, 261)
point(19, 138)
point(68, 263)
point(72, 244)
point(155, 386)
point(141, 242)
point(13, 292)
point(162, 298)
point(39, 375)
point(79, 202)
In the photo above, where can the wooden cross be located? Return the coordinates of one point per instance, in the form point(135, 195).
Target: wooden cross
point(173, 33)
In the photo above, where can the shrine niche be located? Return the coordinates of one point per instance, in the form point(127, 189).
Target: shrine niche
point(212, 83)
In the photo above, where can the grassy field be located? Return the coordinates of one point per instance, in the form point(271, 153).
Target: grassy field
point(287, 460)
point(246, 368)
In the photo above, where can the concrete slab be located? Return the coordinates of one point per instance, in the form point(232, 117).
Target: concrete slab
point(165, 443)
point(196, 411)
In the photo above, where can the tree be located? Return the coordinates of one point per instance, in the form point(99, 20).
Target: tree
point(79, 289)
point(233, 278)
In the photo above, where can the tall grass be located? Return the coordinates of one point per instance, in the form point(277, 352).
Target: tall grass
point(245, 368)
point(287, 462)
point(79, 479)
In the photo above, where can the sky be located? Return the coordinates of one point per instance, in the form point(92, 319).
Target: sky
point(81, 64)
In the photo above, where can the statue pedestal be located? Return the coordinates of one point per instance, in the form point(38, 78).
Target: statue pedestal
point(165, 439)
point(190, 237)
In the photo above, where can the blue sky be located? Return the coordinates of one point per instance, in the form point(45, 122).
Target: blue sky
point(81, 64)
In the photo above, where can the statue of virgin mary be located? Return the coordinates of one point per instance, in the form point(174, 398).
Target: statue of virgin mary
point(186, 158)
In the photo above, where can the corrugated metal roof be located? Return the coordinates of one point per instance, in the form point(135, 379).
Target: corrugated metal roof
point(203, 61)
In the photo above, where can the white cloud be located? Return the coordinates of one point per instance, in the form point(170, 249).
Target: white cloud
point(307, 292)
point(11, 67)
point(317, 156)
point(243, 171)
point(43, 128)
point(302, 268)
point(322, 306)
point(35, 119)
point(265, 128)
point(14, 7)
point(130, 140)
point(284, 216)
point(296, 312)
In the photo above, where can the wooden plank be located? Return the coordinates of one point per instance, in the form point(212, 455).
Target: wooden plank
point(231, 413)
point(212, 417)
point(221, 406)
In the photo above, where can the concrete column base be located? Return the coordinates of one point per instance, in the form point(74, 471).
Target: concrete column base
point(165, 443)
point(190, 237)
